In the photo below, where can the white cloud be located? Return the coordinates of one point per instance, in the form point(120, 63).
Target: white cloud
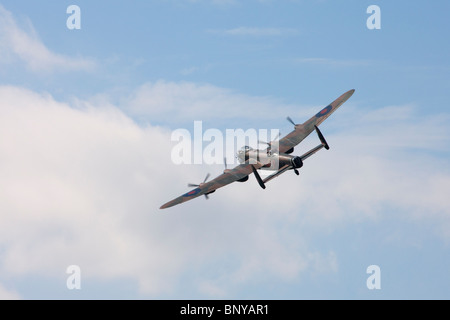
point(82, 184)
point(17, 43)
point(382, 165)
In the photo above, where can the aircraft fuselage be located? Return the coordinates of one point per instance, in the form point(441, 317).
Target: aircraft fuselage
point(269, 160)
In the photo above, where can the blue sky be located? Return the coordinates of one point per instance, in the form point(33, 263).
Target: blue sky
point(86, 118)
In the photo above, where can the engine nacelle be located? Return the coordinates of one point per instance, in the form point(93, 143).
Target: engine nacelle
point(297, 162)
point(290, 151)
point(243, 179)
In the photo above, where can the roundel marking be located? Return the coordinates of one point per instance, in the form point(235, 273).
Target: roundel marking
point(324, 111)
point(192, 193)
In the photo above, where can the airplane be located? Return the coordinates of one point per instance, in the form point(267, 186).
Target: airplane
point(277, 156)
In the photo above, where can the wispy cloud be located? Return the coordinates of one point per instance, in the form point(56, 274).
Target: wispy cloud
point(188, 71)
point(179, 102)
point(6, 294)
point(333, 62)
point(17, 43)
point(215, 2)
point(256, 31)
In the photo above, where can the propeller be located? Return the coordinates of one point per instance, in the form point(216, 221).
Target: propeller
point(225, 163)
point(269, 149)
point(269, 143)
point(291, 121)
point(198, 185)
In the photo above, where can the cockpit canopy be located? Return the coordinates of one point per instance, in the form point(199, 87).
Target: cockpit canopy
point(242, 153)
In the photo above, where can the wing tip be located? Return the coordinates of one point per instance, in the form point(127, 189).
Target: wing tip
point(166, 205)
point(344, 97)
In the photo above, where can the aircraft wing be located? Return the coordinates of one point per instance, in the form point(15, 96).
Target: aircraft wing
point(232, 175)
point(303, 130)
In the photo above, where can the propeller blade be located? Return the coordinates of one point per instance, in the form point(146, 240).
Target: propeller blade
point(225, 162)
point(206, 196)
point(197, 185)
point(270, 143)
point(193, 185)
point(277, 136)
point(290, 120)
